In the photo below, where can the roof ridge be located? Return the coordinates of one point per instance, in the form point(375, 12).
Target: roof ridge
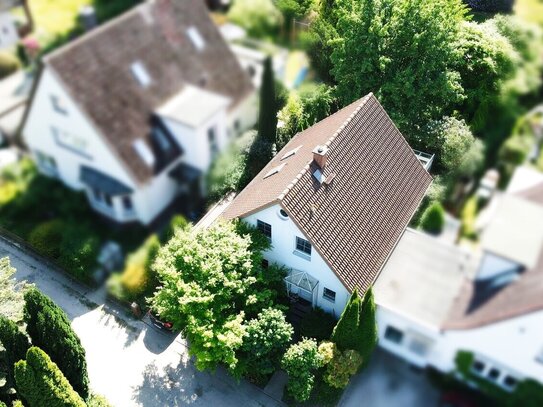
point(304, 169)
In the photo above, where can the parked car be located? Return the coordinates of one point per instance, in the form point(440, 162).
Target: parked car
point(457, 399)
point(159, 323)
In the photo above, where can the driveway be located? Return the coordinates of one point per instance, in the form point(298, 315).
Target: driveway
point(389, 382)
point(129, 361)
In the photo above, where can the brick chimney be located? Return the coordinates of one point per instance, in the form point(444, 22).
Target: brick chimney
point(320, 154)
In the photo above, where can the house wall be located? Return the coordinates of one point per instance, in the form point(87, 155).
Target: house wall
point(8, 31)
point(283, 241)
point(245, 114)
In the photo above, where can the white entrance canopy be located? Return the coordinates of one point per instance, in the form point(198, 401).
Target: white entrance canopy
point(301, 282)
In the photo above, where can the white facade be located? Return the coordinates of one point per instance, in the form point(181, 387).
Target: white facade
point(283, 239)
point(62, 140)
point(8, 31)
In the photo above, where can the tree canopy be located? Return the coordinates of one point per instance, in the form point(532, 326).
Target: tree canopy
point(11, 292)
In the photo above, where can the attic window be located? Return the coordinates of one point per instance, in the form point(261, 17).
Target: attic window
point(196, 38)
point(290, 153)
point(140, 73)
point(274, 170)
point(319, 176)
point(144, 152)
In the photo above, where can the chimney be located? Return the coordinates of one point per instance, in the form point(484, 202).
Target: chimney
point(88, 18)
point(320, 156)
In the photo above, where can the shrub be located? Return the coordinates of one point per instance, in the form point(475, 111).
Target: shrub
point(367, 326)
point(14, 342)
point(433, 219)
point(301, 361)
point(265, 340)
point(318, 324)
point(96, 400)
point(528, 393)
point(8, 64)
point(342, 366)
point(50, 329)
point(11, 292)
point(177, 222)
point(79, 250)
point(468, 216)
point(346, 332)
point(327, 350)
point(259, 17)
point(46, 238)
point(41, 383)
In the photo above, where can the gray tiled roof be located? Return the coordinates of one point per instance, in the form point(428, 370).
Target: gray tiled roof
point(96, 70)
point(355, 222)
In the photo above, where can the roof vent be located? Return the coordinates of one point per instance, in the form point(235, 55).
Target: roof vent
point(144, 152)
point(141, 74)
point(274, 170)
point(320, 155)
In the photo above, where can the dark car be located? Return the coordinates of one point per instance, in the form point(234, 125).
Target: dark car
point(159, 323)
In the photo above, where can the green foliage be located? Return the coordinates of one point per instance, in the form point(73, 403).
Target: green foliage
point(11, 292)
point(368, 334)
point(292, 120)
point(15, 343)
point(433, 219)
point(176, 222)
point(318, 324)
point(42, 384)
point(210, 280)
point(468, 216)
point(266, 338)
point(300, 361)
point(50, 329)
point(346, 332)
point(106, 9)
point(259, 17)
point(8, 64)
point(342, 366)
point(47, 237)
point(96, 400)
point(403, 51)
point(463, 362)
point(528, 393)
point(327, 350)
point(292, 9)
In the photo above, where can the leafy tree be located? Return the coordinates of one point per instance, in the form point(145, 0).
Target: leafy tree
point(11, 292)
point(404, 52)
point(50, 329)
point(210, 280)
point(433, 219)
point(367, 326)
point(259, 17)
point(346, 334)
point(293, 9)
point(42, 384)
point(292, 120)
point(266, 338)
point(301, 361)
point(15, 344)
point(341, 367)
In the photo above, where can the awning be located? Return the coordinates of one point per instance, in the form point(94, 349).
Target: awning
point(185, 173)
point(102, 182)
point(302, 279)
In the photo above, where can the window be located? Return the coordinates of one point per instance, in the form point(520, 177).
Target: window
point(58, 105)
point(478, 366)
point(329, 294)
point(127, 204)
point(265, 228)
point(46, 163)
point(493, 374)
point(265, 263)
point(283, 214)
point(303, 246)
point(144, 152)
point(196, 38)
point(102, 197)
point(212, 137)
point(510, 382)
point(71, 142)
point(141, 74)
point(108, 200)
point(161, 139)
point(274, 170)
point(394, 335)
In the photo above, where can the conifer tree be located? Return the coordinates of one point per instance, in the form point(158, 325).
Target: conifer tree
point(15, 343)
point(367, 327)
point(346, 334)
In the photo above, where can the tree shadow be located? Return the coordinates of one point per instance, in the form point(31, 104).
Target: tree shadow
point(156, 341)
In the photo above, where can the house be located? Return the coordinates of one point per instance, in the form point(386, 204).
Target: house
point(10, 30)
point(436, 299)
point(134, 111)
point(334, 202)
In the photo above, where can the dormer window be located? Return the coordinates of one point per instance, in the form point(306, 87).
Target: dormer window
point(141, 74)
point(144, 152)
point(58, 105)
point(196, 38)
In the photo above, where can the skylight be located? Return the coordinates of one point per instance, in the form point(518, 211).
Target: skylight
point(290, 153)
point(274, 170)
point(140, 73)
point(318, 175)
point(196, 38)
point(144, 152)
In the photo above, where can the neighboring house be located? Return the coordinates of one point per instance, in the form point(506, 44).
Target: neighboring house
point(10, 32)
point(134, 112)
point(436, 299)
point(334, 202)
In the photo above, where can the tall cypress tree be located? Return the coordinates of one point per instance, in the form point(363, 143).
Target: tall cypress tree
point(15, 343)
point(50, 329)
point(346, 334)
point(41, 383)
point(367, 326)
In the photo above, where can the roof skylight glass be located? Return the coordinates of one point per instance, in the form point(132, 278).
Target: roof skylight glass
point(196, 38)
point(144, 152)
point(290, 153)
point(274, 170)
point(140, 73)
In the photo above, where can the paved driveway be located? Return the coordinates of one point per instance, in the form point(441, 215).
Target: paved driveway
point(389, 382)
point(129, 361)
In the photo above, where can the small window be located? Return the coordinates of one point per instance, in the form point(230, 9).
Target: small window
point(394, 335)
point(108, 200)
point(283, 214)
point(478, 366)
point(237, 125)
point(97, 195)
point(265, 228)
point(290, 153)
point(196, 38)
point(127, 203)
point(274, 170)
point(46, 163)
point(141, 74)
point(144, 152)
point(493, 374)
point(510, 382)
point(303, 246)
point(329, 294)
point(58, 105)
point(212, 137)
point(162, 140)
point(265, 263)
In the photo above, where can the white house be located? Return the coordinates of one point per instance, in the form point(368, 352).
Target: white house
point(334, 202)
point(436, 299)
point(134, 111)
point(9, 31)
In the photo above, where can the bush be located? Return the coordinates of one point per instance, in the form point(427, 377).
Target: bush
point(8, 64)
point(528, 393)
point(50, 329)
point(41, 383)
point(346, 332)
point(96, 400)
point(300, 362)
point(259, 17)
point(46, 238)
point(318, 324)
point(342, 366)
point(15, 343)
point(433, 219)
point(177, 222)
point(468, 216)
